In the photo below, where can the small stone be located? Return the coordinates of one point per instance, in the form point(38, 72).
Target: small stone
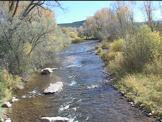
point(122, 93)
point(14, 100)
point(46, 71)
point(131, 103)
point(2, 120)
point(129, 100)
point(7, 104)
point(149, 114)
point(54, 119)
point(7, 120)
point(141, 105)
point(135, 102)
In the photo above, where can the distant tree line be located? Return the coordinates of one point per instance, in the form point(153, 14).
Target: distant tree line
point(118, 21)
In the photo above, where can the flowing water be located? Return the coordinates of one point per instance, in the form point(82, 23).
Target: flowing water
point(84, 98)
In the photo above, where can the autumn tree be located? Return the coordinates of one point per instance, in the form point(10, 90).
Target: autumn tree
point(89, 27)
point(123, 17)
point(27, 24)
point(80, 31)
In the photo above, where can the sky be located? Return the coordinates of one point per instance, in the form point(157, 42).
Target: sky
point(80, 10)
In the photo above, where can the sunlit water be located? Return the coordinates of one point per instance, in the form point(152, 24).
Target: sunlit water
point(84, 98)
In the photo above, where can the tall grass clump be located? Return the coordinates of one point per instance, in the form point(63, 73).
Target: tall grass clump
point(99, 51)
point(103, 45)
point(9, 83)
point(114, 48)
point(144, 89)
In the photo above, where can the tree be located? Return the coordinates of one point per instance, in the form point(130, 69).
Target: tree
point(26, 24)
point(148, 7)
point(123, 16)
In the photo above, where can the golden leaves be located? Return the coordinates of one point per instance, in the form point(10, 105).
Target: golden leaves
point(27, 48)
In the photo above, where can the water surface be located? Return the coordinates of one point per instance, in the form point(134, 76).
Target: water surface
point(84, 98)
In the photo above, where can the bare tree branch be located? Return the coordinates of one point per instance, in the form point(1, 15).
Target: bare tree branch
point(17, 4)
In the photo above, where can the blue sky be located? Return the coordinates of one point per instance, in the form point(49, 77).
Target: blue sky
point(80, 10)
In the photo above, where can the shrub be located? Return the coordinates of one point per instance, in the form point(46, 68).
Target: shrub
point(139, 49)
point(116, 45)
point(73, 35)
point(77, 40)
point(108, 56)
point(154, 67)
point(117, 65)
point(104, 45)
point(99, 51)
point(114, 57)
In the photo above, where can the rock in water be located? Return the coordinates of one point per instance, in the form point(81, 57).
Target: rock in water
point(7, 120)
point(54, 87)
point(14, 100)
point(46, 71)
point(54, 119)
point(7, 105)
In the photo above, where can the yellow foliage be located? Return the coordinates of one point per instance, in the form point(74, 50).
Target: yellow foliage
point(103, 14)
point(9, 80)
point(157, 41)
point(60, 38)
point(122, 10)
point(116, 45)
point(89, 20)
point(98, 15)
point(64, 30)
point(53, 37)
point(49, 14)
point(73, 35)
point(27, 48)
point(116, 65)
point(8, 84)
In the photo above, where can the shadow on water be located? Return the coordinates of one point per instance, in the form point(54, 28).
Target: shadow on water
point(84, 98)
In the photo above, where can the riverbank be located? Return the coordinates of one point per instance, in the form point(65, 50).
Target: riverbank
point(140, 85)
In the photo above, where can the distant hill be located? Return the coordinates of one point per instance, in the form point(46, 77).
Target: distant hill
point(74, 24)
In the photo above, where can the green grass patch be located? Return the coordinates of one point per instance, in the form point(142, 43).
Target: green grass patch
point(99, 51)
point(143, 89)
point(8, 84)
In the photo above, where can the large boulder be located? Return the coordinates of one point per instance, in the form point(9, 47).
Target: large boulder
point(54, 119)
point(54, 87)
point(46, 71)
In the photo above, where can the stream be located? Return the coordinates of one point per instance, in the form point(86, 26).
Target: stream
point(84, 98)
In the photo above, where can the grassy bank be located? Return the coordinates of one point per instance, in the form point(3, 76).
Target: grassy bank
point(137, 65)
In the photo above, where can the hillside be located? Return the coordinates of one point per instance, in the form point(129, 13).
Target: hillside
point(74, 24)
